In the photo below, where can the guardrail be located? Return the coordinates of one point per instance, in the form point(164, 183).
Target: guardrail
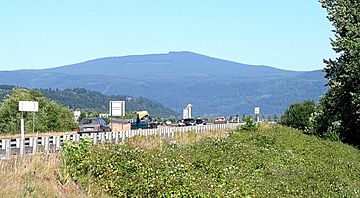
point(53, 143)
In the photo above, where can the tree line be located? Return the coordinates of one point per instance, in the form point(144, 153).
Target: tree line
point(337, 116)
point(51, 116)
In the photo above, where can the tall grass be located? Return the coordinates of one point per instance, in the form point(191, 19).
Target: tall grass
point(272, 161)
point(37, 175)
point(188, 138)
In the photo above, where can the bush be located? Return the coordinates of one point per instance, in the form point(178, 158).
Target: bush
point(298, 115)
point(73, 157)
point(272, 161)
point(249, 125)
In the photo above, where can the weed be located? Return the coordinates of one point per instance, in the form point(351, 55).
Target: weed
point(271, 161)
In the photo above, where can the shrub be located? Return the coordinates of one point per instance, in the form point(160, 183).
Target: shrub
point(74, 156)
point(298, 115)
point(249, 125)
point(272, 161)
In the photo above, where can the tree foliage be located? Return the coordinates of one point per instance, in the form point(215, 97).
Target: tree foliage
point(93, 101)
point(50, 117)
point(298, 115)
point(80, 98)
point(339, 110)
point(249, 125)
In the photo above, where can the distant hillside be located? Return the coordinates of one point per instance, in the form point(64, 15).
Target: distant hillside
point(80, 98)
point(213, 86)
point(5, 90)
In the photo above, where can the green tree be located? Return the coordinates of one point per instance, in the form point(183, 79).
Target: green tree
point(298, 115)
point(249, 125)
point(339, 110)
point(50, 117)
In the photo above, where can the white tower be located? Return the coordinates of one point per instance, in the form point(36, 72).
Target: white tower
point(187, 111)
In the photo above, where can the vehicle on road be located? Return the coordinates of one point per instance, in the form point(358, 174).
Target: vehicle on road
point(181, 123)
point(200, 121)
point(143, 121)
point(220, 120)
point(189, 122)
point(93, 125)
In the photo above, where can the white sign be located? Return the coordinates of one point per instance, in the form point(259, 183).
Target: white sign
point(28, 106)
point(257, 110)
point(117, 108)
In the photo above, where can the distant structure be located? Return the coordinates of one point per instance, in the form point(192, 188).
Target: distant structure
point(77, 114)
point(104, 115)
point(187, 111)
point(257, 114)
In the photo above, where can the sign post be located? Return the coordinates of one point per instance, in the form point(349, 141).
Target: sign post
point(257, 114)
point(27, 106)
point(117, 108)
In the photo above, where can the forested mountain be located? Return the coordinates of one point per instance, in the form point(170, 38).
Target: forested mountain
point(213, 86)
point(5, 90)
point(80, 98)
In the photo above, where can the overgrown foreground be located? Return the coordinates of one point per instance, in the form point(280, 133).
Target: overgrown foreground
point(37, 176)
point(270, 162)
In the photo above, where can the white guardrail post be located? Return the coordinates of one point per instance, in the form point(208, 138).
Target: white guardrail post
point(3, 144)
point(57, 143)
point(34, 144)
point(18, 142)
point(46, 146)
point(116, 137)
point(8, 147)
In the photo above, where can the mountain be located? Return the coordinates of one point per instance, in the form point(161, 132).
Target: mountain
point(213, 86)
point(5, 90)
point(80, 98)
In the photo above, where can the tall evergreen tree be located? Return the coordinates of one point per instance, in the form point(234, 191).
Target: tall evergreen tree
point(339, 110)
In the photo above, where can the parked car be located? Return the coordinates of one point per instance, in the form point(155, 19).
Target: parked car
point(91, 125)
point(181, 123)
point(220, 120)
point(189, 122)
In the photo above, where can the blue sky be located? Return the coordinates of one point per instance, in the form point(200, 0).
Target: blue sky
point(287, 34)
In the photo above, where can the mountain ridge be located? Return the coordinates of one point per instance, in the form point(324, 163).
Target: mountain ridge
point(80, 98)
point(214, 86)
point(170, 53)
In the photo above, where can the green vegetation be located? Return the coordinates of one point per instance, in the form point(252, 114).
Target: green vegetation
point(38, 176)
point(272, 161)
point(298, 115)
point(5, 90)
point(249, 125)
point(337, 117)
point(80, 98)
point(93, 101)
point(51, 116)
point(339, 112)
